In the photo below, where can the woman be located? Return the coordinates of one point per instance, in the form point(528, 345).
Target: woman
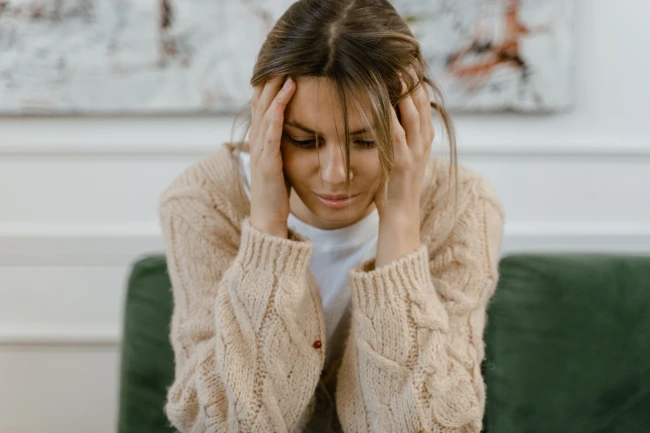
point(332, 276)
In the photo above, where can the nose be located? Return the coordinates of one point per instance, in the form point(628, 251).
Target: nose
point(333, 164)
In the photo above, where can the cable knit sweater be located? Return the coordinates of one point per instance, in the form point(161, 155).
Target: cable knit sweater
point(248, 330)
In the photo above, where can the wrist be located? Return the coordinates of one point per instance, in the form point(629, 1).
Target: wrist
point(398, 236)
point(275, 229)
point(400, 220)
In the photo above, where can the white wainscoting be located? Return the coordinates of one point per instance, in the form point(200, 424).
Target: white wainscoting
point(80, 216)
point(58, 388)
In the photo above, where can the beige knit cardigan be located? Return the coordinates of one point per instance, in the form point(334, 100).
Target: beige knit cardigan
point(248, 330)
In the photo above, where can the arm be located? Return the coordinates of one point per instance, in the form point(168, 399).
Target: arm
point(243, 327)
point(413, 361)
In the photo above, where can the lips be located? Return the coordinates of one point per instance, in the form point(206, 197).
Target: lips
point(336, 201)
point(335, 196)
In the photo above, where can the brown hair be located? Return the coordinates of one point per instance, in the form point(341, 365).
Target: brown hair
point(362, 46)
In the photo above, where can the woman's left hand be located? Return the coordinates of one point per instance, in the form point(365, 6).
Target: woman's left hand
point(399, 208)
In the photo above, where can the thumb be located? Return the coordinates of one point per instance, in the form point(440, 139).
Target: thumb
point(381, 199)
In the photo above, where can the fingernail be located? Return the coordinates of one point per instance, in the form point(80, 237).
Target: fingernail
point(287, 84)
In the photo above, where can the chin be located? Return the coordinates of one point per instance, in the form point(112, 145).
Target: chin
point(329, 216)
point(338, 217)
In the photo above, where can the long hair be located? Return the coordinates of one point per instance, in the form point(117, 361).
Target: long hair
point(362, 46)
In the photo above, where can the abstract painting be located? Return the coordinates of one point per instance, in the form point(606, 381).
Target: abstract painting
point(66, 57)
point(492, 55)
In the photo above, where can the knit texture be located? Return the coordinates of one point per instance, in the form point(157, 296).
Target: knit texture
point(247, 316)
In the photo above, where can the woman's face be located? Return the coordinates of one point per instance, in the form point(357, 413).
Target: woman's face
point(317, 171)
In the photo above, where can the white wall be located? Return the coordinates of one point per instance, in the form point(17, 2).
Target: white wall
point(78, 200)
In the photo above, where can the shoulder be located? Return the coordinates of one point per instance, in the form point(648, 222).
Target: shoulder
point(452, 199)
point(210, 185)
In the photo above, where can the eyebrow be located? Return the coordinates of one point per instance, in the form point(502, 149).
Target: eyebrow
point(299, 125)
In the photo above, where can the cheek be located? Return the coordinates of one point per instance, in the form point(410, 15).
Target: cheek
point(369, 171)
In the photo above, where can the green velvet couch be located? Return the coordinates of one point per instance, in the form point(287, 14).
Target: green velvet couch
point(567, 346)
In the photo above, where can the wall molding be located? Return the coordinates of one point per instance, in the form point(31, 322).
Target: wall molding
point(583, 149)
point(77, 245)
point(575, 237)
point(122, 245)
point(571, 151)
point(60, 335)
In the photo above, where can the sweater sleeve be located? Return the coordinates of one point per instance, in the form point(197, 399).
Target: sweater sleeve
point(244, 322)
point(413, 361)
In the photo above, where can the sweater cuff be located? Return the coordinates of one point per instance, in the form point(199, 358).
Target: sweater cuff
point(400, 278)
point(262, 251)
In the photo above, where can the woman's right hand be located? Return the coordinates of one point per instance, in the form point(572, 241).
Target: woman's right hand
point(269, 187)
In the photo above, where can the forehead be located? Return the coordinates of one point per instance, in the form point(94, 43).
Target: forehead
point(315, 104)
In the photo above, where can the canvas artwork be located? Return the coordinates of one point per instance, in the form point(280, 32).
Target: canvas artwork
point(197, 56)
point(490, 55)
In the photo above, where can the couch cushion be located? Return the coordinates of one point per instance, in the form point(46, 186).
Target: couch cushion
point(568, 345)
point(147, 367)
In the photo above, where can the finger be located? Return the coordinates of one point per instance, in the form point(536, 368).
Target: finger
point(422, 100)
point(257, 92)
point(426, 120)
point(410, 116)
point(267, 91)
point(271, 88)
point(399, 135)
point(275, 116)
point(282, 97)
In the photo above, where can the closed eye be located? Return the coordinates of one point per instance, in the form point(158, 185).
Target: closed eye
point(308, 144)
point(365, 143)
point(302, 144)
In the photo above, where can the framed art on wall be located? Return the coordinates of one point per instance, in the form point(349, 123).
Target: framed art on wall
point(196, 56)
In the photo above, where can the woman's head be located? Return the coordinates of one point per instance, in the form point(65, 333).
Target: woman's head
point(346, 57)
